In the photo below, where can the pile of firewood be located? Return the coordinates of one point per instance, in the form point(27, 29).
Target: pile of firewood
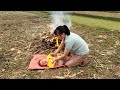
point(43, 43)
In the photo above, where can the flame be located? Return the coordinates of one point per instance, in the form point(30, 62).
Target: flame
point(56, 39)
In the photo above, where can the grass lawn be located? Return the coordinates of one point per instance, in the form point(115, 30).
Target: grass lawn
point(94, 22)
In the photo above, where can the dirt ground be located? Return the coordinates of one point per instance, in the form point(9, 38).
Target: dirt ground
point(17, 33)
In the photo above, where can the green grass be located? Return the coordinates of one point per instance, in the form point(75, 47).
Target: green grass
point(94, 22)
point(91, 21)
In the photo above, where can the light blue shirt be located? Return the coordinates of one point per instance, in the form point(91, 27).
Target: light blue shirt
point(75, 44)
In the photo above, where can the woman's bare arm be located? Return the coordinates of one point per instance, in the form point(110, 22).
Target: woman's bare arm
point(60, 47)
point(62, 57)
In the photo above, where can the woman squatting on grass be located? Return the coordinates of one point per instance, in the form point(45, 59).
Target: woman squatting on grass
point(74, 45)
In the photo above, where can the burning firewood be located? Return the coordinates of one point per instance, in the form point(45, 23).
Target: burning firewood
point(44, 42)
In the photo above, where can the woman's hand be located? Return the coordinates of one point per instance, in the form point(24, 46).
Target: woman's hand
point(53, 54)
point(53, 61)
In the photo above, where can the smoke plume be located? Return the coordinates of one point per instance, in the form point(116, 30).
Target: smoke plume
point(60, 18)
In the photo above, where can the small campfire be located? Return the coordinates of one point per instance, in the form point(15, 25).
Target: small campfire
point(44, 42)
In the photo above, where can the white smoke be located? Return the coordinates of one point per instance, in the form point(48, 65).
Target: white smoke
point(60, 18)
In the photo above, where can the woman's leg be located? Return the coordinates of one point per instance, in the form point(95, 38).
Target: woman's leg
point(76, 60)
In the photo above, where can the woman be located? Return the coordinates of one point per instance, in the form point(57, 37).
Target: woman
point(73, 44)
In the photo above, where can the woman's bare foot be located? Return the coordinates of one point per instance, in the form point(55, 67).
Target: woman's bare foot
point(84, 62)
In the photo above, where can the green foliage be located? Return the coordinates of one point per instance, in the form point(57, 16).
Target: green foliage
point(96, 22)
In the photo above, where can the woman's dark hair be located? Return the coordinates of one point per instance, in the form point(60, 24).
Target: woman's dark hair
point(62, 29)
